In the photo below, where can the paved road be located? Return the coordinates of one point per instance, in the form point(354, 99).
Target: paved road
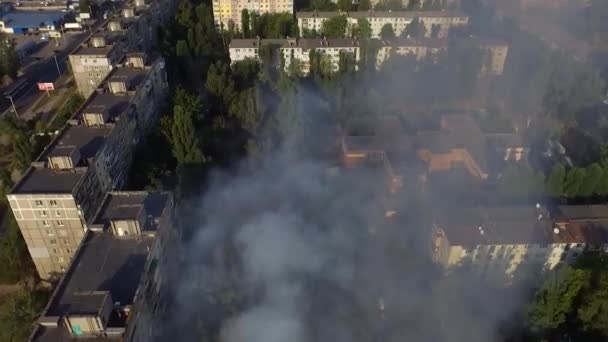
point(46, 69)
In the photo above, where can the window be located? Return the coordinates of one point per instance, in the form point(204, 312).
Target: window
point(58, 213)
point(62, 233)
point(39, 203)
point(43, 213)
point(66, 241)
point(53, 203)
point(60, 259)
point(50, 232)
point(68, 250)
point(45, 223)
point(53, 242)
point(60, 223)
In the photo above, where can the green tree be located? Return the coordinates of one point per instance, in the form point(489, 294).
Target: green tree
point(414, 5)
point(220, 85)
point(555, 182)
point(9, 61)
point(323, 5)
point(415, 29)
point(6, 183)
point(23, 151)
point(593, 175)
point(364, 5)
point(363, 29)
point(245, 23)
point(184, 143)
point(345, 5)
point(334, 27)
point(521, 181)
point(18, 313)
point(84, 6)
point(574, 179)
point(555, 301)
point(602, 186)
point(387, 32)
point(435, 29)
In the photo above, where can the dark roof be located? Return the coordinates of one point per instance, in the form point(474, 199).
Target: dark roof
point(500, 225)
point(103, 263)
point(577, 232)
point(304, 43)
point(253, 43)
point(88, 140)
point(598, 212)
point(94, 51)
point(42, 180)
point(32, 19)
point(115, 103)
point(128, 205)
point(133, 76)
point(383, 14)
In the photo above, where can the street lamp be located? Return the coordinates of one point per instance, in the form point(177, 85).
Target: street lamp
point(13, 105)
point(57, 64)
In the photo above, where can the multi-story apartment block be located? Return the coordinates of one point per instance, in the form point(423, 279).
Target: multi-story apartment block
point(92, 62)
point(119, 278)
point(133, 28)
point(494, 52)
point(502, 241)
point(90, 156)
point(228, 12)
point(399, 20)
point(298, 51)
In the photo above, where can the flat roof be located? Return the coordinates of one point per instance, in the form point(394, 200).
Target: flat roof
point(39, 180)
point(94, 51)
point(127, 205)
point(31, 19)
point(133, 76)
point(382, 14)
point(597, 212)
point(500, 225)
point(116, 104)
point(103, 263)
point(88, 140)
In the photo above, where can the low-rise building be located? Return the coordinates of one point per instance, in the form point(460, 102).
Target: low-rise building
point(296, 53)
point(90, 156)
point(439, 22)
point(506, 242)
point(120, 276)
point(20, 22)
point(227, 13)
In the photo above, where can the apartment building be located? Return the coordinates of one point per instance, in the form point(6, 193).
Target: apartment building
point(228, 12)
point(509, 242)
point(494, 52)
point(296, 52)
point(92, 62)
point(120, 275)
point(399, 20)
point(90, 156)
point(456, 142)
point(133, 28)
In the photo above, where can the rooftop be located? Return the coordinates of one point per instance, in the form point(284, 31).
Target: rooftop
point(39, 179)
point(383, 14)
point(583, 212)
point(31, 19)
point(86, 139)
point(115, 103)
point(499, 225)
point(94, 51)
point(305, 43)
point(128, 205)
point(133, 76)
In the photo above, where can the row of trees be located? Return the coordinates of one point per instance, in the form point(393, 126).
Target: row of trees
point(268, 25)
point(384, 5)
point(337, 27)
point(9, 62)
point(573, 303)
point(576, 182)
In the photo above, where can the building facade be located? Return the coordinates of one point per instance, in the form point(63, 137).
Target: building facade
point(511, 242)
point(120, 276)
point(90, 156)
point(228, 12)
point(439, 21)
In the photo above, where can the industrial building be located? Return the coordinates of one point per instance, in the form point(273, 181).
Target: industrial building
point(21, 22)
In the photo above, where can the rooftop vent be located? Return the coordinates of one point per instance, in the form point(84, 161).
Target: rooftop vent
point(114, 26)
point(556, 231)
point(128, 12)
point(98, 41)
point(139, 3)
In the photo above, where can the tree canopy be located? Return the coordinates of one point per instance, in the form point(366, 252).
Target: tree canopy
point(334, 27)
